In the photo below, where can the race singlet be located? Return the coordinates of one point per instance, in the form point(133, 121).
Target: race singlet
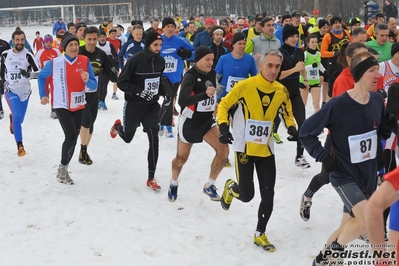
point(257, 131)
point(363, 147)
point(170, 64)
point(207, 105)
point(231, 81)
point(152, 84)
point(77, 99)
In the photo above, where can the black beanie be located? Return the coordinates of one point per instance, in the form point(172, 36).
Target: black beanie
point(322, 23)
point(394, 48)
point(285, 16)
point(67, 39)
point(288, 31)
point(167, 21)
point(238, 36)
point(200, 52)
point(335, 19)
point(151, 37)
point(102, 32)
point(79, 25)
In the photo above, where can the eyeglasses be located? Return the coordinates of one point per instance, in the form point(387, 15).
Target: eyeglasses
point(240, 25)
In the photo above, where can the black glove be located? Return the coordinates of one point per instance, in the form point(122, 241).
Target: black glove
point(314, 65)
point(293, 134)
point(184, 53)
point(24, 73)
point(389, 122)
point(330, 164)
point(225, 136)
point(147, 95)
point(167, 100)
point(383, 93)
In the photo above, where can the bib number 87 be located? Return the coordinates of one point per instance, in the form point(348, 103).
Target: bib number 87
point(259, 131)
point(365, 145)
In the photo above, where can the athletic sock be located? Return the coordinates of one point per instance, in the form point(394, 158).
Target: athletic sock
point(211, 181)
point(173, 182)
point(257, 233)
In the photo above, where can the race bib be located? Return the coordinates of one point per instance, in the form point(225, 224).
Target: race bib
point(152, 85)
point(313, 73)
point(231, 81)
point(363, 147)
point(257, 131)
point(77, 99)
point(170, 64)
point(89, 90)
point(15, 76)
point(207, 105)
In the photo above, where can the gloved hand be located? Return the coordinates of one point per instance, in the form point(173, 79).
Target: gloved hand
point(314, 65)
point(147, 95)
point(293, 134)
point(184, 53)
point(389, 122)
point(167, 100)
point(225, 136)
point(336, 53)
point(24, 73)
point(330, 164)
point(383, 93)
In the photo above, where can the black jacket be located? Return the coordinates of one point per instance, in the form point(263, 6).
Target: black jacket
point(138, 69)
point(390, 11)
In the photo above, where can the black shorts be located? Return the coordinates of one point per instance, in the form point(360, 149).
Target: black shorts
point(134, 113)
point(351, 195)
point(194, 130)
point(302, 86)
point(90, 111)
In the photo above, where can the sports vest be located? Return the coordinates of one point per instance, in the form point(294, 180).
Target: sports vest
point(312, 73)
point(389, 77)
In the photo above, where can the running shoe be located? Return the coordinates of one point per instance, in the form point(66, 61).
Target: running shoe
point(113, 131)
point(301, 162)
point(227, 196)
point(169, 132)
point(304, 209)
point(153, 184)
point(264, 243)
point(161, 131)
point(21, 150)
point(210, 190)
point(172, 192)
point(277, 138)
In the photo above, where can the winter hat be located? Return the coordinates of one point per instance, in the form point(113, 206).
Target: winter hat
point(288, 31)
point(48, 38)
point(322, 23)
point(102, 33)
point(151, 37)
point(200, 52)
point(223, 21)
point(251, 17)
point(315, 12)
point(67, 39)
point(209, 20)
point(60, 31)
point(335, 19)
point(285, 16)
point(79, 25)
point(238, 36)
point(167, 21)
point(394, 48)
point(302, 20)
point(354, 21)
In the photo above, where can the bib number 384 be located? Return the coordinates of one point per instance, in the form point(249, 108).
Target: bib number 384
point(257, 131)
point(363, 147)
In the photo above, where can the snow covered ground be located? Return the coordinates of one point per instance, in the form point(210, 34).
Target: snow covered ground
point(109, 217)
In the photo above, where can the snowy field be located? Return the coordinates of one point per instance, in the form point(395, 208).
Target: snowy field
point(109, 217)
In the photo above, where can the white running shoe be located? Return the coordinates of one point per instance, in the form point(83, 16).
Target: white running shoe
point(301, 162)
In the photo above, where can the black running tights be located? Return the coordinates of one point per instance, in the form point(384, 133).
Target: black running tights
point(266, 172)
point(70, 123)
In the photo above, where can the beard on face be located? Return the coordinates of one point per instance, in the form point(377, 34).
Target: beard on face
point(19, 47)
